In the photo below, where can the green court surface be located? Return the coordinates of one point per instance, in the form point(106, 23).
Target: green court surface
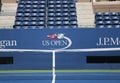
point(58, 71)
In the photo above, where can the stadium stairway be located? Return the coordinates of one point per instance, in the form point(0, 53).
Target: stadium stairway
point(85, 15)
point(7, 15)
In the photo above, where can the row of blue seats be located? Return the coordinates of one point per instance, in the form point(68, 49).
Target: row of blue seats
point(62, 10)
point(30, 18)
point(44, 18)
point(108, 26)
point(32, 6)
point(41, 27)
point(107, 14)
point(32, 2)
point(44, 15)
point(29, 27)
point(47, 0)
point(107, 22)
point(49, 6)
point(106, 18)
point(44, 22)
point(62, 23)
point(50, 10)
point(30, 14)
point(43, 2)
point(30, 23)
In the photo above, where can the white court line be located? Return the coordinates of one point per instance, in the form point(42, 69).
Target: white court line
point(53, 67)
point(61, 50)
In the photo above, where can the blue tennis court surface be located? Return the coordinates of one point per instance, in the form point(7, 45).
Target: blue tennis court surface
point(61, 77)
point(62, 81)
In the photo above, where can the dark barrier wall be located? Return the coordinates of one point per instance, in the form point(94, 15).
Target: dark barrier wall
point(50, 39)
point(64, 60)
point(27, 60)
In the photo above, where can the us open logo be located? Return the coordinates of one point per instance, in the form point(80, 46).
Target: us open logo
point(57, 41)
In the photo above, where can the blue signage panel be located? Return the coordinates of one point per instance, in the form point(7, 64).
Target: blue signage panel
point(50, 39)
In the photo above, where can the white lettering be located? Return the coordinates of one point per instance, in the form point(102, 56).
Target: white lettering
point(107, 41)
point(54, 42)
point(7, 43)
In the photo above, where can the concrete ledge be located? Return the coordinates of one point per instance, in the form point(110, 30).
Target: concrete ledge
point(106, 6)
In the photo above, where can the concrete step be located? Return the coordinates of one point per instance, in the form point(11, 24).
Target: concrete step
point(85, 15)
point(85, 12)
point(10, 4)
point(7, 18)
point(8, 13)
point(9, 7)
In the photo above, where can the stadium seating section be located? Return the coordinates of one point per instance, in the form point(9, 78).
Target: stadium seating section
point(46, 13)
point(107, 19)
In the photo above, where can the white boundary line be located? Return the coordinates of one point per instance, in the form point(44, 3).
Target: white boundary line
point(53, 67)
point(61, 50)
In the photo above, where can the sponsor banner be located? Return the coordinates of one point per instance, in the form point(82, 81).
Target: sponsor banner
point(51, 39)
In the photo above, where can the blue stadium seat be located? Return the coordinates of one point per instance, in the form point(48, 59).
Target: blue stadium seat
point(19, 18)
point(51, 14)
point(65, 10)
point(72, 5)
point(115, 18)
point(26, 23)
point(58, 14)
point(100, 26)
point(106, 14)
point(72, 13)
point(98, 13)
point(41, 23)
point(65, 6)
point(116, 22)
point(108, 26)
point(51, 6)
point(51, 10)
point(107, 22)
point(33, 23)
point(19, 15)
point(19, 23)
point(51, 2)
point(99, 22)
point(52, 23)
point(106, 18)
point(27, 6)
point(58, 6)
point(58, 23)
point(73, 18)
point(21, 6)
point(51, 19)
point(116, 26)
point(114, 13)
point(58, 2)
point(26, 19)
point(66, 14)
point(65, 2)
point(59, 18)
point(27, 10)
point(27, 14)
point(73, 22)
